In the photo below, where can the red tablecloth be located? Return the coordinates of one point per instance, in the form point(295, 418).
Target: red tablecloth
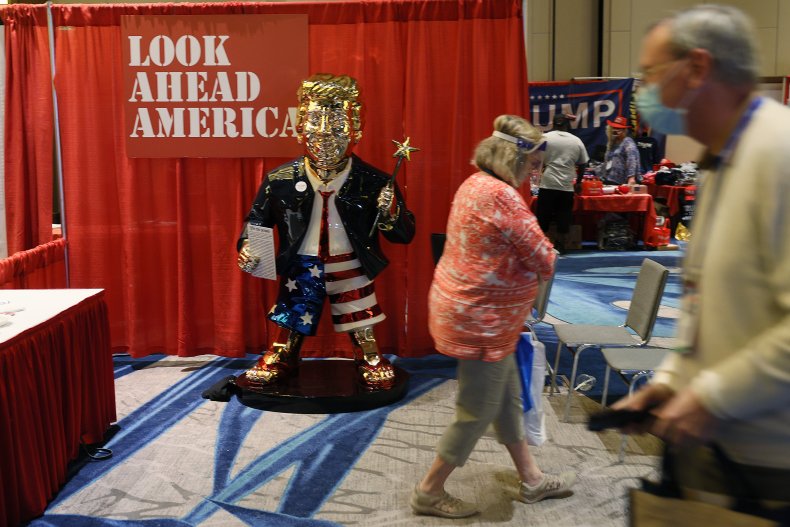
point(56, 388)
point(619, 203)
point(669, 193)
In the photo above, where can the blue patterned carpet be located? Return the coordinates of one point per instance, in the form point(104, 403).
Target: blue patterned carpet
point(588, 284)
point(594, 288)
point(180, 460)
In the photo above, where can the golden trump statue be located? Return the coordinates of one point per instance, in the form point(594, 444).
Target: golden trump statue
point(328, 207)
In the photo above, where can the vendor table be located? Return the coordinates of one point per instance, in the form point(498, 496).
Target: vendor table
point(56, 390)
point(620, 203)
point(585, 207)
point(670, 194)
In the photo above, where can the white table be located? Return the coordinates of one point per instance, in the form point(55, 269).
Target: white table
point(56, 390)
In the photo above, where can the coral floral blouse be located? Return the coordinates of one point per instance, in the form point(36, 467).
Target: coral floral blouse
point(487, 279)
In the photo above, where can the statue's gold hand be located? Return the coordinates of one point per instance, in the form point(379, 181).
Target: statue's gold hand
point(246, 261)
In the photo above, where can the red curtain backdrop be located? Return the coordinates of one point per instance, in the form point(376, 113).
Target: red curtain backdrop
point(159, 234)
point(29, 135)
point(42, 267)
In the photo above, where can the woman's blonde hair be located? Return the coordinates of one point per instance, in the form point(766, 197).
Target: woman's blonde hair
point(503, 158)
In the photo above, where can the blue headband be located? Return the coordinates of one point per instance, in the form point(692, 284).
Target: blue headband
point(521, 143)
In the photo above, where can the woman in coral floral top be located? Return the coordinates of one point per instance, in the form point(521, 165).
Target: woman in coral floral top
point(483, 289)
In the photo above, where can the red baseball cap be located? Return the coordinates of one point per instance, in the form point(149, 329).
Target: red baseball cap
point(619, 122)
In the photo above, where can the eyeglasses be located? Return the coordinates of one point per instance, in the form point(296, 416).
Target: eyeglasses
point(650, 71)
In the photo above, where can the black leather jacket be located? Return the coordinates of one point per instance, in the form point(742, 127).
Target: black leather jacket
point(279, 204)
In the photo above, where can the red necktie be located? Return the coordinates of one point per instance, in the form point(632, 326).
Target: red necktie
point(323, 236)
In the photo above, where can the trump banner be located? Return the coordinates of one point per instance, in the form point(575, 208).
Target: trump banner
point(593, 102)
point(212, 86)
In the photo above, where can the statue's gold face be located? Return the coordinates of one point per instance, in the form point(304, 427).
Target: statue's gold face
point(328, 133)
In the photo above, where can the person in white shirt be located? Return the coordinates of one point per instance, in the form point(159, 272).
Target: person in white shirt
point(564, 160)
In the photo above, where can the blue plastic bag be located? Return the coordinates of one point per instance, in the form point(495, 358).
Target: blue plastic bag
point(524, 354)
point(531, 359)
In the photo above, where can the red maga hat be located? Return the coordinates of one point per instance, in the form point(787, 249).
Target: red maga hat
point(619, 122)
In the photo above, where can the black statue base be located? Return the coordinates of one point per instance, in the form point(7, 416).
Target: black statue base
point(320, 387)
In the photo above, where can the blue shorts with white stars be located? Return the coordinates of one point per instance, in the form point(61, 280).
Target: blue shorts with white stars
point(301, 296)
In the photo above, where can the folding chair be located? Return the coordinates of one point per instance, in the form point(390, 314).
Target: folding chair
point(541, 303)
point(641, 318)
point(437, 245)
point(539, 309)
point(632, 364)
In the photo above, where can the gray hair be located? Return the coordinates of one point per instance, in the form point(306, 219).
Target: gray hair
point(503, 158)
point(726, 33)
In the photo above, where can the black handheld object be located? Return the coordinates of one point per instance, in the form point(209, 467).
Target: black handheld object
point(616, 419)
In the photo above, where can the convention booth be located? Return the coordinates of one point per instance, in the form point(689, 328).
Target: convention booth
point(590, 211)
point(147, 261)
point(159, 233)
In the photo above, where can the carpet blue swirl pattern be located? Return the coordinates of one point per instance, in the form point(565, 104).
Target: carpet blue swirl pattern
point(180, 460)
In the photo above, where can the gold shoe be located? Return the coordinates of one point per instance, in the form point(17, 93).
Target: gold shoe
point(271, 367)
point(380, 376)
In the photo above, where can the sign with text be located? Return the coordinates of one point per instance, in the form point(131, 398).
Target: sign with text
point(212, 86)
point(593, 102)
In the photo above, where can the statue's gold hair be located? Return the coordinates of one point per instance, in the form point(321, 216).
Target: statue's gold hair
point(327, 87)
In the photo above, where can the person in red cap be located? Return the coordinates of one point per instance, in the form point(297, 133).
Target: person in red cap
point(621, 162)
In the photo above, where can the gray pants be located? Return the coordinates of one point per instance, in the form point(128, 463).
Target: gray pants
point(488, 393)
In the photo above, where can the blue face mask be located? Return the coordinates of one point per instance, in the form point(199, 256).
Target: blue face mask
point(661, 118)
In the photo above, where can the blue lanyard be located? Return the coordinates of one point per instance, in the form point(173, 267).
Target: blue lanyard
point(700, 236)
point(735, 136)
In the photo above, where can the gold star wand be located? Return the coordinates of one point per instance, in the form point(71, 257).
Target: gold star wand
point(404, 150)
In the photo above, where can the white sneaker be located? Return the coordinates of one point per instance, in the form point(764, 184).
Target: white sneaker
point(444, 506)
point(552, 486)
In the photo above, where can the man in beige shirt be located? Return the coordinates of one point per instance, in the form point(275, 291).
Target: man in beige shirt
point(729, 382)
